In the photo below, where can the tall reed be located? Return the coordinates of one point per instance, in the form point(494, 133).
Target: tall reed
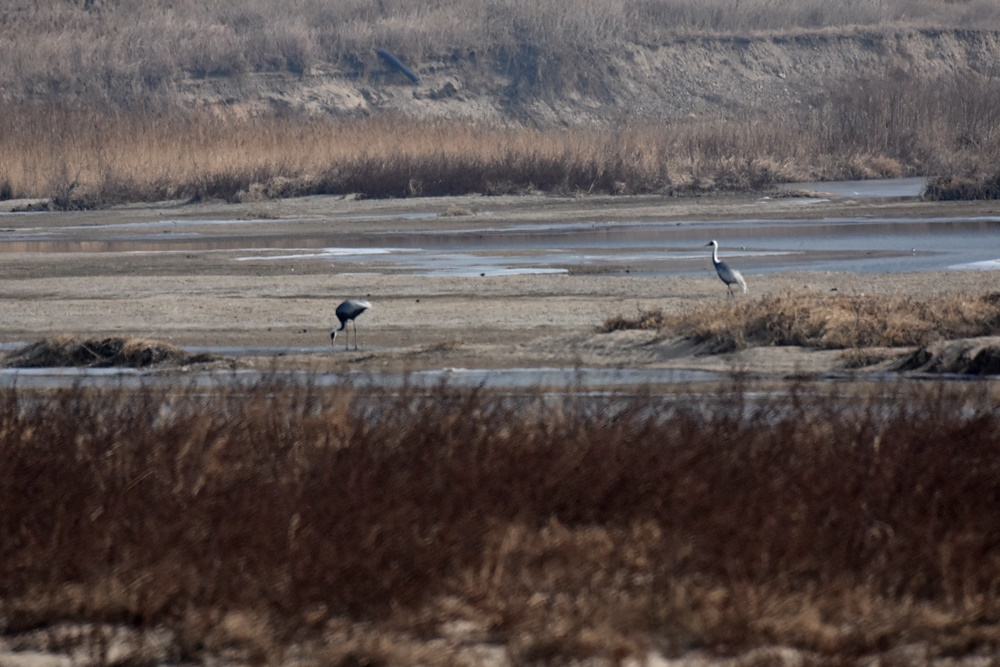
point(84, 157)
point(577, 525)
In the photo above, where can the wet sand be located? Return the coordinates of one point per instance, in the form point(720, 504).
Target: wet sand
point(169, 272)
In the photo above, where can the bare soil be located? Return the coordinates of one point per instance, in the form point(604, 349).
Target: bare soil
point(683, 78)
point(204, 297)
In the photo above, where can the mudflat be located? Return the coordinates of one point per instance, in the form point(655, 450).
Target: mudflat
point(179, 273)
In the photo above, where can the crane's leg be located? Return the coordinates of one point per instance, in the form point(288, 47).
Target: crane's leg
point(355, 334)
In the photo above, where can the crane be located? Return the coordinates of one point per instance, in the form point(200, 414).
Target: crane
point(728, 274)
point(348, 311)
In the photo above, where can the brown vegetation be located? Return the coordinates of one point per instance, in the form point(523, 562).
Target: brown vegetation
point(89, 116)
point(67, 350)
point(842, 321)
point(955, 187)
point(129, 51)
point(95, 158)
point(978, 356)
point(269, 517)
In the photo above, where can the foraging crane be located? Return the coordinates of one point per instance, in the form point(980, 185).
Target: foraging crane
point(348, 311)
point(728, 274)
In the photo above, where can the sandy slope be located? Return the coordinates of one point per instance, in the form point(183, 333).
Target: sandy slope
point(682, 78)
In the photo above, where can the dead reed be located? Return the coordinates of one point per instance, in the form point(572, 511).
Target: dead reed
point(963, 187)
point(360, 526)
point(67, 350)
point(99, 156)
point(843, 321)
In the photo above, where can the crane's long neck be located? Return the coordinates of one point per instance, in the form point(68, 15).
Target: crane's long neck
point(343, 323)
point(715, 254)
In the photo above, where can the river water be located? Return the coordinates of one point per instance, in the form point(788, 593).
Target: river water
point(612, 247)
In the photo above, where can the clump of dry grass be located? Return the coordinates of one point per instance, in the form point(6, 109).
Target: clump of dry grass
point(288, 519)
point(827, 321)
point(68, 350)
point(956, 187)
point(646, 318)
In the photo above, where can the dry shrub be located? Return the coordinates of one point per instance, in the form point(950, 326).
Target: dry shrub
point(652, 318)
point(258, 518)
point(68, 350)
point(838, 321)
point(954, 187)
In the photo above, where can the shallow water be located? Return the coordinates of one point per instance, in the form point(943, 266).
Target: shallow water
point(864, 244)
point(512, 378)
point(873, 188)
point(638, 248)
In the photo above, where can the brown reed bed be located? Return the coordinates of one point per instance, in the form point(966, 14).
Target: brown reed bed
point(287, 521)
point(100, 156)
point(98, 160)
point(843, 321)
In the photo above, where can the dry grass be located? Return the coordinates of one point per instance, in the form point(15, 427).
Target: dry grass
point(129, 51)
point(276, 521)
point(108, 132)
point(68, 350)
point(652, 318)
point(826, 321)
point(81, 158)
point(956, 187)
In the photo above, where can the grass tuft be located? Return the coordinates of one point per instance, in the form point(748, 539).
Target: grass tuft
point(652, 318)
point(826, 322)
point(67, 350)
point(954, 187)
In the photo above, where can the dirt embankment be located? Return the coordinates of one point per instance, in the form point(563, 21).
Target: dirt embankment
point(696, 76)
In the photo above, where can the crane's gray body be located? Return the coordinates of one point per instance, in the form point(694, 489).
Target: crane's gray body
point(348, 311)
point(728, 274)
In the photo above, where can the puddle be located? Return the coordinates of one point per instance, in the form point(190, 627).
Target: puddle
point(878, 188)
point(988, 265)
point(166, 222)
point(512, 378)
point(590, 380)
point(265, 350)
point(326, 253)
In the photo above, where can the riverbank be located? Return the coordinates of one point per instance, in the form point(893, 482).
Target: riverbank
point(268, 276)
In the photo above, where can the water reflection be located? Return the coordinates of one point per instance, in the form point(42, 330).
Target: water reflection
point(513, 378)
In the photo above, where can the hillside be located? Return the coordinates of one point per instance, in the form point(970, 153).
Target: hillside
point(680, 78)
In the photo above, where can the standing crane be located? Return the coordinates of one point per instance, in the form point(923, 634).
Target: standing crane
point(348, 311)
point(728, 274)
